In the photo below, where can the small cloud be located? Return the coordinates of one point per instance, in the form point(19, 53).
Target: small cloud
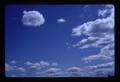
point(44, 64)
point(61, 20)
point(54, 64)
point(32, 18)
point(13, 62)
point(21, 69)
point(28, 63)
point(52, 70)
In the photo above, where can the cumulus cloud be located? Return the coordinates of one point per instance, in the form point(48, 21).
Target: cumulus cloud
point(9, 67)
point(44, 64)
point(61, 20)
point(100, 34)
point(37, 65)
point(54, 64)
point(32, 18)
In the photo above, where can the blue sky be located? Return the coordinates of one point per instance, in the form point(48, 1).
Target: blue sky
point(58, 38)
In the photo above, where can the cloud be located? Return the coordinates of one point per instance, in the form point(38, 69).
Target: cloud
point(8, 67)
point(104, 65)
point(37, 65)
point(28, 63)
point(52, 70)
point(13, 62)
point(96, 28)
point(21, 69)
point(44, 64)
point(103, 69)
point(32, 18)
point(54, 64)
point(106, 53)
point(61, 20)
point(105, 11)
point(75, 71)
point(100, 34)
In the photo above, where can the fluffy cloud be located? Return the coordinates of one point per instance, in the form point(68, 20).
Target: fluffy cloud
point(37, 65)
point(61, 20)
point(9, 67)
point(44, 64)
point(100, 34)
point(32, 18)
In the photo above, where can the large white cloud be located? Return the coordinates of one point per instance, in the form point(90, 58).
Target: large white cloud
point(32, 18)
point(100, 34)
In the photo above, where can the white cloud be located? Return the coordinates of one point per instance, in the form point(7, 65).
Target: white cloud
point(28, 63)
point(37, 65)
point(13, 62)
point(75, 71)
point(32, 18)
point(61, 20)
point(52, 70)
point(44, 64)
point(54, 64)
point(103, 69)
point(21, 69)
point(103, 65)
point(107, 11)
point(106, 53)
point(8, 67)
point(100, 34)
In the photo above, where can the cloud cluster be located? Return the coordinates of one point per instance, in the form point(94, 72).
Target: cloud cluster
point(52, 70)
point(9, 68)
point(37, 65)
point(32, 18)
point(100, 34)
point(104, 69)
point(75, 71)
